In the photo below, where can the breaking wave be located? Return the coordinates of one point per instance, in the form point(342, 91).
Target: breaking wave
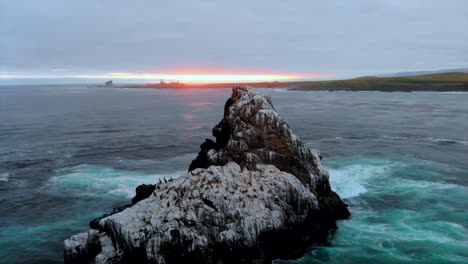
point(401, 213)
point(4, 177)
point(439, 141)
point(96, 180)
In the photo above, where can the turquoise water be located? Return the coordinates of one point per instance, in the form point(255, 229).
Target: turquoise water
point(92, 190)
point(400, 160)
point(403, 212)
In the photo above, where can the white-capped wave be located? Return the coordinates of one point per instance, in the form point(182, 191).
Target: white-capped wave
point(447, 140)
point(344, 183)
point(350, 181)
point(355, 176)
point(4, 177)
point(97, 181)
point(279, 89)
point(430, 139)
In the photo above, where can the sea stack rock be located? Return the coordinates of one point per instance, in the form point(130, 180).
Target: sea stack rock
point(256, 194)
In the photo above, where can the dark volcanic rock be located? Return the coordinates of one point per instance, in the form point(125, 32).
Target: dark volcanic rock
point(142, 192)
point(202, 160)
point(255, 194)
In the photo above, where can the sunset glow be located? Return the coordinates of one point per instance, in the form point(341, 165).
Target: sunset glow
point(195, 77)
point(189, 78)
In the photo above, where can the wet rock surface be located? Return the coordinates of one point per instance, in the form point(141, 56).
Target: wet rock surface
point(256, 194)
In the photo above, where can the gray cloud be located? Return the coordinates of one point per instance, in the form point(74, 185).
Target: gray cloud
point(342, 37)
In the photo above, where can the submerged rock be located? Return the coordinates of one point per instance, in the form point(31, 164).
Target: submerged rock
point(256, 194)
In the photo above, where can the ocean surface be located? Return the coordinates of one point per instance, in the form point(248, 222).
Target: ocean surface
point(69, 153)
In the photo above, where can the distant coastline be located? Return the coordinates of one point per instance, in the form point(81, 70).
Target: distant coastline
point(438, 82)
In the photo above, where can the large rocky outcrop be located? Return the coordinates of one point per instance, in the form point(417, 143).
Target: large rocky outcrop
point(255, 194)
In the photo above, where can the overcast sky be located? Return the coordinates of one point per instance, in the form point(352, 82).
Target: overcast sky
point(343, 38)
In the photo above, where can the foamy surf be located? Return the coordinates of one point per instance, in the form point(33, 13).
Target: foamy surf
point(96, 180)
point(349, 181)
point(395, 213)
point(343, 182)
point(439, 141)
point(429, 139)
point(4, 177)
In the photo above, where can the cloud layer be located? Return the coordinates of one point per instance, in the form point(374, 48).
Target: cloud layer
point(340, 37)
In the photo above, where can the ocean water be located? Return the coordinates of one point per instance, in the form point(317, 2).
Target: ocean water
point(69, 153)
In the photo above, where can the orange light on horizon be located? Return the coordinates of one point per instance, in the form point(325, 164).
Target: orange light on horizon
point(194, 77)
point(189, 78)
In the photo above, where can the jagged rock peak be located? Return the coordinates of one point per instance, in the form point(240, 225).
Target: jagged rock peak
point(255, 194)
point(252, 132)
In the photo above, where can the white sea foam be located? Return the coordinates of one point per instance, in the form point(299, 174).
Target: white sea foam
point(350, 181)
point(432, 139)
point(279, 89)
point(394, 137)
point(4, 177)
point(447, 140)
point(460, 92)
point(95, 180)
point(343, 181)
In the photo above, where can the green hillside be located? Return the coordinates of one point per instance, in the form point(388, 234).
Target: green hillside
point(430, 82)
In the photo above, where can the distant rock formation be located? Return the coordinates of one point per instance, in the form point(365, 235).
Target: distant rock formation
point(109, 83)
point(255, 194)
